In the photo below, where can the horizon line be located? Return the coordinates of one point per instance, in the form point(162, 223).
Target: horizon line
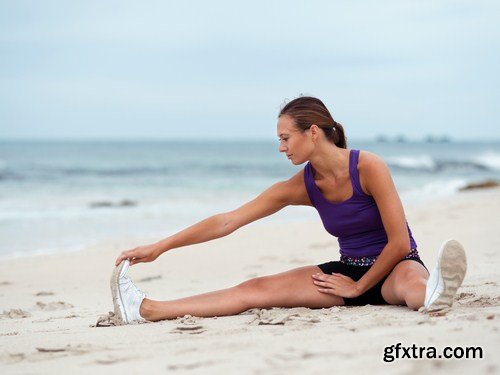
point(392, 139)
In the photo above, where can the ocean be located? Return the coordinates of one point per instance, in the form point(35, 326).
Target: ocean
point(62, 196)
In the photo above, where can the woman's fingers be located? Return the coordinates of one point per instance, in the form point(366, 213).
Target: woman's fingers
point(339, 275)
point(139, 254)
point(326, 278)
point(129, 254)
point(138, 260)
point(328, 283)
point(323, 283)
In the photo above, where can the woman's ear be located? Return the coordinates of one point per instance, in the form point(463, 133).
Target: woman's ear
point(314, 132)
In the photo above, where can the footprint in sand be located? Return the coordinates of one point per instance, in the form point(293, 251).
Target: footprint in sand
point(70, 316)
point(468, 299)
point(45, 353)
point(465, 295)
point(193, 330)
point(11, 358)
point(109, 320)
point(51, 306)
point(189, 324)
point(111, 360)
point(42, 293)
point(15, 314)
point(282, 317)
point(189, 366)
point(10, 334)
point(484, 301)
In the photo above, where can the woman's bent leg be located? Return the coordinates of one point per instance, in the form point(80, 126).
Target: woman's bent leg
point(293, 288)
point(406, 284)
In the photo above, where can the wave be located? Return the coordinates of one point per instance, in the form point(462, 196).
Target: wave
point(489, 159)
point(425, 163)
point(486, 162)
point(43, 251)
point(219, 169)
point(434, 189)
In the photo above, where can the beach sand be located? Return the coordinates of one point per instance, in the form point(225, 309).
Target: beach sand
point(50, 303)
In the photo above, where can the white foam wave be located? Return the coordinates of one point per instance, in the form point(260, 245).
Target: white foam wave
point(42, 251)
point(489, 159)
point(433, 190)
point(413, 162)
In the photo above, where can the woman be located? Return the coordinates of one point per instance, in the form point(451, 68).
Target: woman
point(355, 196)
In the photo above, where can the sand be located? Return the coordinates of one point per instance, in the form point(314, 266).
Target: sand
point(49, 305)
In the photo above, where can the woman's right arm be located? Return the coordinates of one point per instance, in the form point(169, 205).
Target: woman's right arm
point(278, 196)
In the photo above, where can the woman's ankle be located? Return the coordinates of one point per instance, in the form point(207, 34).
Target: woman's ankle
point(146, 310)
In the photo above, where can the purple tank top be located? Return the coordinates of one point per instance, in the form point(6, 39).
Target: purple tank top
point(356, 222)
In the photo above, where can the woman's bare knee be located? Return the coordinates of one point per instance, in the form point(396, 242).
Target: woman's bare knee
point(253, 292)
point(288, 289)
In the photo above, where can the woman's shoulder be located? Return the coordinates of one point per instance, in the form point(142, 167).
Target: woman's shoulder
point(370, 167)
point(368, 161)
point(295, 189)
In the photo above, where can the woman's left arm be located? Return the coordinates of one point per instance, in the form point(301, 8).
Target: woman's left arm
point(376, 179)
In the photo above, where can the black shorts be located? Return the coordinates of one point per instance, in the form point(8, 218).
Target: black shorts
point(372, 296)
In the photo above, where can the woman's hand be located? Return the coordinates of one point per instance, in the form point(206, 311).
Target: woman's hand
point(141, 254)
point(336, 284)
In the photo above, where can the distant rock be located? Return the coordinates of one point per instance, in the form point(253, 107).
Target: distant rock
point(126, 202)
point(100, 204)
point(437, 139)
point(381, 138)
point(481, 185)
point(122, 203)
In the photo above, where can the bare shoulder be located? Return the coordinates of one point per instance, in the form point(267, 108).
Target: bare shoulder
point(370, 168)
point(295, 190)
point(369, 160)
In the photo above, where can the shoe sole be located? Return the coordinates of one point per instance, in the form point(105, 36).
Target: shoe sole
point(452, 266)
point(115, 292)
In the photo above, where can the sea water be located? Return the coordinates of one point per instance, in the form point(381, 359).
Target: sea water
point(62, 196)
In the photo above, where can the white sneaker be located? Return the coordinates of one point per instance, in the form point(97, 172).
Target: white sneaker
point(127, 298)
point(446, 277)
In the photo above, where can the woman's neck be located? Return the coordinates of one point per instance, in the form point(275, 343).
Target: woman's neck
point(330, 161)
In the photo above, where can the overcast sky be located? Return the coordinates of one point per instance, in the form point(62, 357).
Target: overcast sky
point(221, 69)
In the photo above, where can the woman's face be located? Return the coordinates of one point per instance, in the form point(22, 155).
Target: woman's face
point(297, 145)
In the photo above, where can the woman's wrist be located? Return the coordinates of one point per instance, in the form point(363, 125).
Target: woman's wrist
point(359, 287)
point(162, 246)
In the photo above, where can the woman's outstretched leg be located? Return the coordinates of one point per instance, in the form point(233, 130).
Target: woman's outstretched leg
point(293, 288)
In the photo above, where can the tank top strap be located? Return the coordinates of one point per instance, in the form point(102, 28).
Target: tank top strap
point(309, 182)
point(353, 172)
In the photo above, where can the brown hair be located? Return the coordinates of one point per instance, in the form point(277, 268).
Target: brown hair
point(306, 110)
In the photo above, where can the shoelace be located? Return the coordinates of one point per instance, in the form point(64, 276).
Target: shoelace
point(127, 282)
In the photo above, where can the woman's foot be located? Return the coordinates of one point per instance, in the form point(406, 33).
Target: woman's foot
point(446, 277)
point(127, 298)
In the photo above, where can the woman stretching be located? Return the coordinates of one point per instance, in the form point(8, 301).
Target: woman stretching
point(357, 201)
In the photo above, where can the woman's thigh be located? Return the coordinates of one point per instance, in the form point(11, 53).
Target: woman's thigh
point(294, 288)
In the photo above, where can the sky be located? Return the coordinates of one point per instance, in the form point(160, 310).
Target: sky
point(157, 70)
